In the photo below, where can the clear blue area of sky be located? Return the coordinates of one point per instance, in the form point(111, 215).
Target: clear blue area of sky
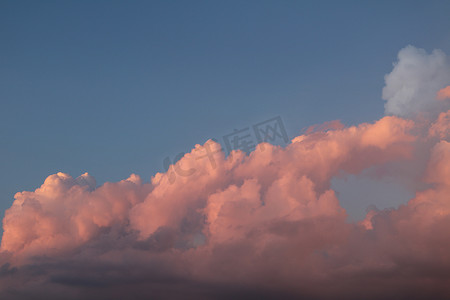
point(113, 87)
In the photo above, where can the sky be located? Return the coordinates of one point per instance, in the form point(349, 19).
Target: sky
point(112, 89)
point(115, 88)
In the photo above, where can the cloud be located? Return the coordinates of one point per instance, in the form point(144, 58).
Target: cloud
point(441, 128)
point(266, 225)
point(443, 93)
point(412, 85)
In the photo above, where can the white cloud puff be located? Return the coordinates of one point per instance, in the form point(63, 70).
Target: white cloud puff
point(413, 84)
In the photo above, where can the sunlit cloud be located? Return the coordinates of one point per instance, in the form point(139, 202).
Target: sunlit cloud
point(443, 93)
point(264, 225)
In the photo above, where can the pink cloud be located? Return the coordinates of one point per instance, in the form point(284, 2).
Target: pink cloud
point(267, 225)
point(441, 127)
point(258, 224)
point(443, 93)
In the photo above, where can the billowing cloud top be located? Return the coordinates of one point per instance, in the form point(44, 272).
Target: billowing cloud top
point(413, 84)
point(265, 225)
point(444, 93)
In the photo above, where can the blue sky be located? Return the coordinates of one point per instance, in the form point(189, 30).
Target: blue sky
point(113, 87)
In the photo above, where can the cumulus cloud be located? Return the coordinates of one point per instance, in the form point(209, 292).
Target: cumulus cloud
point(444, 93)
point(413, 84)
point(266, 225)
